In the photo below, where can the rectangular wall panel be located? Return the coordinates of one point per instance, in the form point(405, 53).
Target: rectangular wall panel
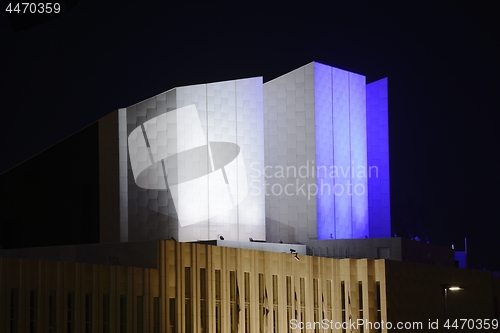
point(377, 128)
point(359, 183)
point(324, 150)
point(270, 93)
point(197, 189)
point(341, 153)
point(123, 173)
point(221, 116)
point(143, 221)
point(250, 139)
point(290, 156)
point(311, 226)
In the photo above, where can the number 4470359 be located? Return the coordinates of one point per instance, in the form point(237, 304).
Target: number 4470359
point(33, 8)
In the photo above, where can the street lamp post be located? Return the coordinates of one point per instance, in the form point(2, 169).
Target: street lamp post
point(447, 287)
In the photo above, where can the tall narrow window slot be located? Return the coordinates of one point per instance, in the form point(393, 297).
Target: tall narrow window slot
point(106, 313)
point(360, 296)
point(172, 315)
point(329, 310)
point(316, 303)
point(203, 300)
point(303, 301)
point(262, 310)
point(289, 297)
point(140, 314)
point(379, 308)
point(52, 311)
point(247, 301)
point(342, 301)
point(187, 299)
point(156, 314)
point(88, 313)
point(275, 304)
point(14, 311)
point(70, 313)
point(123, 313)
point(232, 301)
point(218, 300)
point(33, 311)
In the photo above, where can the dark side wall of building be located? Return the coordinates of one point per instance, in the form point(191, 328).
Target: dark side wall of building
point(415, 294)
point(53, 198)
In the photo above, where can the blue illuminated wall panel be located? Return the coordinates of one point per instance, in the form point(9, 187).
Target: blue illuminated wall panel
point(357, 128)
point(325, 199)
point(377, 129)
point(309, 107)
point(341, 154)
point(315, 118)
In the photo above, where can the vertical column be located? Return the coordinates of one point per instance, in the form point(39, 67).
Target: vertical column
point(155, 138)
point(290, 156)
point(286, 224)
point(250, 161)
point(138, 151)
point(198, 187)
point(292, 132)
point(377, 130)
point(143, 197)
point(359, 188)
point(325, 198)
point(221, 116)
point(341, 153)
point(310, 230)
point(271, 157)
point(123, 174)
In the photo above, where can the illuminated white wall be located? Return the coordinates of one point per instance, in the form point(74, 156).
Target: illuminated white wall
point(315, 120)
point(190, 152)
point(200, 161)
point(290, 141)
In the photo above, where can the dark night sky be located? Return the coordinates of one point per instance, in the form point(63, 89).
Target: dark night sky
point(442, 63)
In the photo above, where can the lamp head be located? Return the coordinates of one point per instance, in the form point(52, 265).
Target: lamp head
point(451, 287)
